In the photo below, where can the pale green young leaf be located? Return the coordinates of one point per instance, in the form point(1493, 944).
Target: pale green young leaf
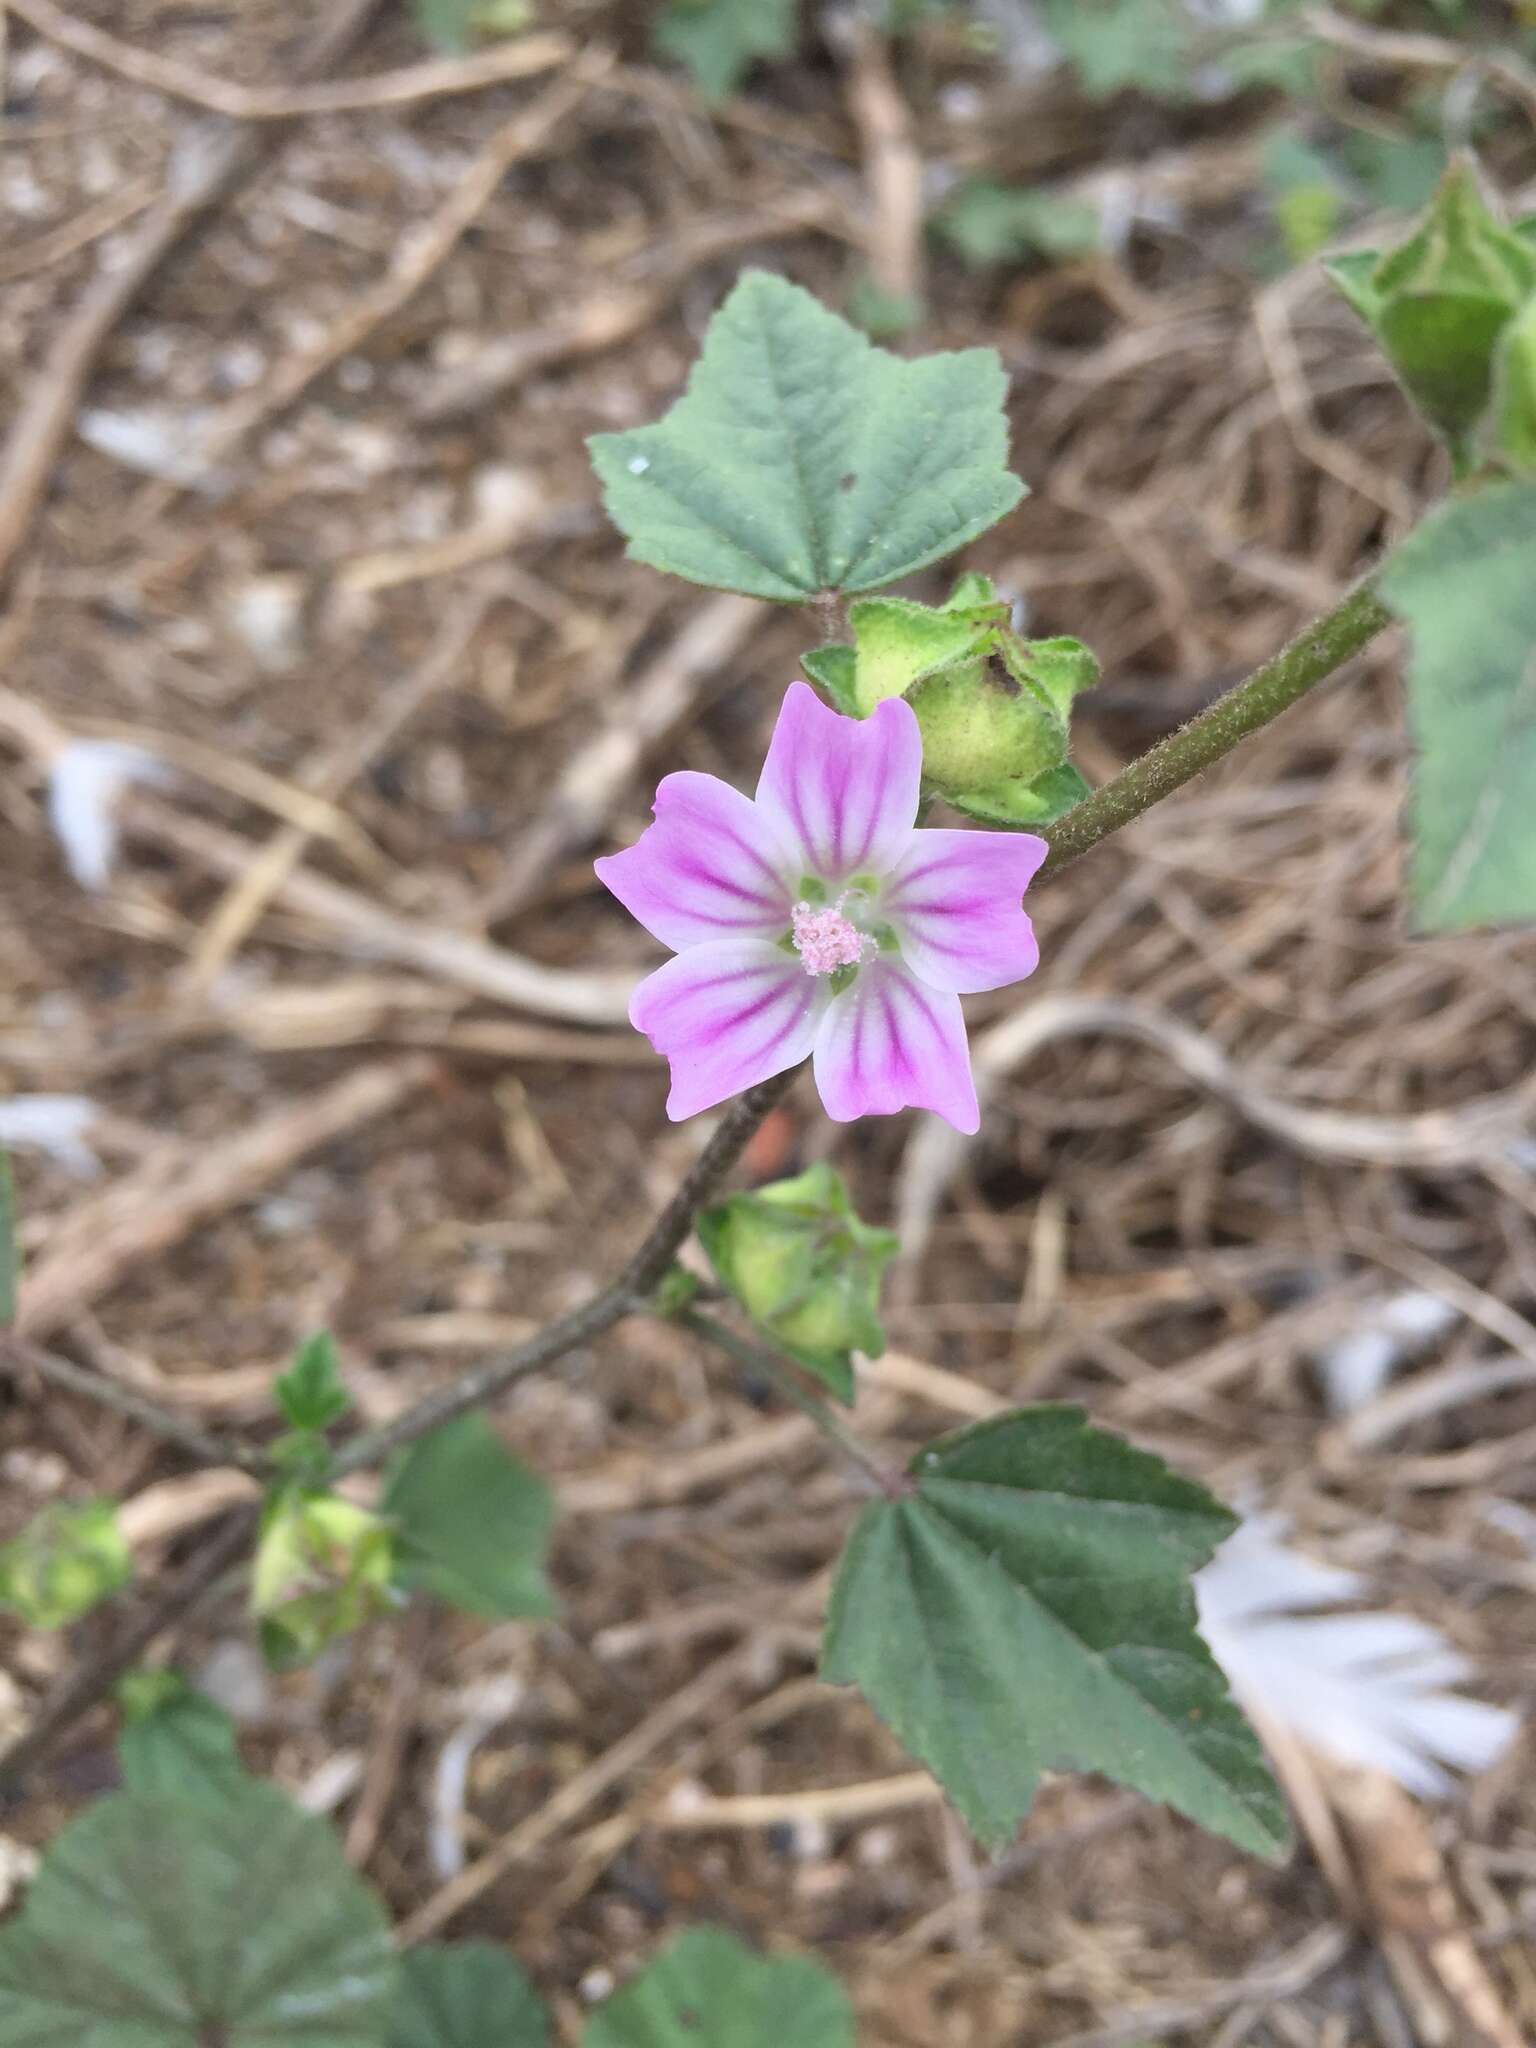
point(802, 458)
point(708, 1990)
point(10, 1257)
point(67, 1560)
point(472, 1521)
point(718, 41)
point(175, 1742)
point(1028, 1608)
point(453, 25)
point(1123, 45)
point(311, 1393)
point(466, 1994)
point(1463, 581)
point(166, 1923)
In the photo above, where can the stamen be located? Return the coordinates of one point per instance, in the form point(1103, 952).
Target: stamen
point(826, 940)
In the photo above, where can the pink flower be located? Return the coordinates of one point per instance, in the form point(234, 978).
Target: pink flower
point(818, 919)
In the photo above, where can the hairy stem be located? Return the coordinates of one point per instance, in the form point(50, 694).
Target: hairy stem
point(757, 1358)
point(1309, 660)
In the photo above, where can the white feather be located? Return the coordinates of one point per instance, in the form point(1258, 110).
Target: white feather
point(84, 784)
point(1365, 1688)
point(55, 1124)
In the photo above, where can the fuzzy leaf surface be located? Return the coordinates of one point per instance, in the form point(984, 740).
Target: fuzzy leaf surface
point(162, 1923)
point(802, 458)
point(1463, 583)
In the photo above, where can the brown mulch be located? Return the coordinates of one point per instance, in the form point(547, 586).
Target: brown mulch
point(285, 485)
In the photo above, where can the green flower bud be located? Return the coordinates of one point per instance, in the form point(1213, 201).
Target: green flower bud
point(805, 1269)
point(1439, 303)
point(66, 1561)
point(994, 710)
point(323, 1567)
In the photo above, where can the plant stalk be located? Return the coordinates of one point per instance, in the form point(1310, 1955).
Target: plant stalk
point(757, 1358)
point(1310, 659)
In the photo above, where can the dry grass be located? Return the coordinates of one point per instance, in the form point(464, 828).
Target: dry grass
point(1210, 463)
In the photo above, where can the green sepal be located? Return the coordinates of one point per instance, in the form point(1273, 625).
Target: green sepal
point(1439, 302)
point(1353, 273)
point(900, 642)
point(1059, 670)
point(805, 1268)
point(66, 1561)
point(832, 667)
point(323, 1567)
point(1040, 802)
point(1511, 430)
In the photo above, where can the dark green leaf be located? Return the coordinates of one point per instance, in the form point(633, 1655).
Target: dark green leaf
point(66, 1561)
point(707, 1990)
point(718, 41)
point(10, 1257)
point(1464, 583)
point(474, 1522)
point(311, 1393)
point(1028, 1608)
point(175, 1742)
point(801, 458)
point(466, 1994)
point(160, 1923)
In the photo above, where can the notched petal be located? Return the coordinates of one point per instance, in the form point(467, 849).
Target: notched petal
point(888, 1042)
point(710, 867)
point(727, 1015)
point(842, 791)
point(953, 901)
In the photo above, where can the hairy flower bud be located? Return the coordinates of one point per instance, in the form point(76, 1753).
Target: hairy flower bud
point(323, 1567)
point(805, 1269)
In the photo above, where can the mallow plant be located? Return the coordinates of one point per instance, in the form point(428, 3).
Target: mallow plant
point(1018, 1597)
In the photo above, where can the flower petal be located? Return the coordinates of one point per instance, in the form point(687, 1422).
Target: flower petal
point(953, 899)
point(888, 1043)
point(842, 791)
point(711, 867)
point(727, 1015)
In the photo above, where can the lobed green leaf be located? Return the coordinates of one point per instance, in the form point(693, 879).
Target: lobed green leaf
point(466, 1994)
point(1463, 582)
point(473, 1522)
point(801, 458)
point(708, 1990)
point(1028, 1608)
point(166, 1923)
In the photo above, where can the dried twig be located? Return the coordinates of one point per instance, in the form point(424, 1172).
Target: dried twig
point(515, 57)
point(419, 255)
point(20, 1359)
point(643, 711)
point(206, 170)
point(186, 1183)
point(893, 164)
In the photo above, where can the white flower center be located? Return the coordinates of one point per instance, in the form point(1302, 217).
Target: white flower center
point(826, 940)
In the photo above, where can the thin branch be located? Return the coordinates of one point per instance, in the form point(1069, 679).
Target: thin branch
point(630, 1291)
point(757, 1358)
point(18, 1356)
point(1310, 659)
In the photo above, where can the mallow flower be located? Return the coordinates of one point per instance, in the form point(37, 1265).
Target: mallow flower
point(818, 919)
